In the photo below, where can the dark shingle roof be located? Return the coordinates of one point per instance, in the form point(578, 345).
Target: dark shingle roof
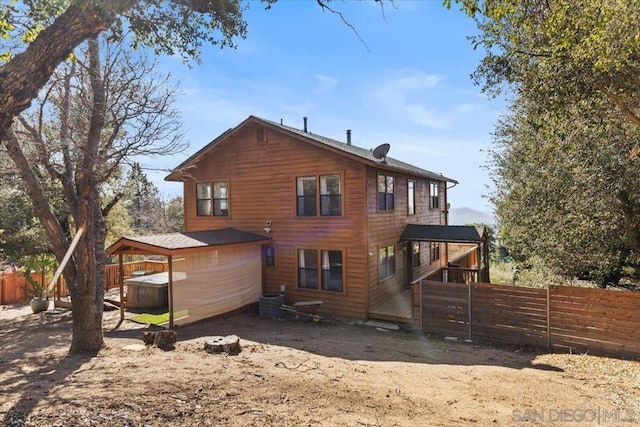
point(443, 233)
point(166, 243)
point(361, 154)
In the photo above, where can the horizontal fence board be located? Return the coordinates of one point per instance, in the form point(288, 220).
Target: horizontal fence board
point(594, 304)
point(531, 304)
point(622, 298)
point(509, 290)
point(506, 306)
point(521, 322)
point(582, 331)
point(595, 310)
point(577, 322)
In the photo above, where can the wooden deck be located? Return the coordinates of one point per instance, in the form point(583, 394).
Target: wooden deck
point(397, 309)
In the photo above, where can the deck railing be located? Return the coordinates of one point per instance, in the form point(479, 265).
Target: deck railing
point(148, 266)
point(460, 275)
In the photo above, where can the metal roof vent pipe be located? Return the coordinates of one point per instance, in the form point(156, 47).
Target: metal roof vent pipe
point(304, 119)
point(348, 136)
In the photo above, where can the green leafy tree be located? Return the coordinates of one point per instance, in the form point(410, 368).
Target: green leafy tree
point(19, 229)
point(566, 163)
point(560, 52)
point(118, 223)
point(567, 190)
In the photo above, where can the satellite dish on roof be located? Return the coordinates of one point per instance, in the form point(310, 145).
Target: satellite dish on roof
point(380, 152)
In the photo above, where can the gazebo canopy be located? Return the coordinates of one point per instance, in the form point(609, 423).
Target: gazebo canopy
point(183, 243)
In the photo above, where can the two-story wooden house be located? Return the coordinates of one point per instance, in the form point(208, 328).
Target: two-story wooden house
point(334, 212)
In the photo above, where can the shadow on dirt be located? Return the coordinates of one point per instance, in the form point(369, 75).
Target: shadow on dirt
point(34, 361)
point(353, 341)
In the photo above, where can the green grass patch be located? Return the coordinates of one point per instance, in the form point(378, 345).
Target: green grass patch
point(157, 318)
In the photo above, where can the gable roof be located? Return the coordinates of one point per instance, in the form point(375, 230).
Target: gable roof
point(185, 242)
point(443, 233)
point(357, 153)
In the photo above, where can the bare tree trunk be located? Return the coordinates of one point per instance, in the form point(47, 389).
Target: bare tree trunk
point(87, 293)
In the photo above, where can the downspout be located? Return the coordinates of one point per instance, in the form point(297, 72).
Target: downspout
point(170, 262)
point(446, 202)
point(446, 221)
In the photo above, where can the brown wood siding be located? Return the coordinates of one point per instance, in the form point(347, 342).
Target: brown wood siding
point(262, 187)
point(384, 229)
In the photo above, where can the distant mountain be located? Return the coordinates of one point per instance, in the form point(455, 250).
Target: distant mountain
point(463, 216)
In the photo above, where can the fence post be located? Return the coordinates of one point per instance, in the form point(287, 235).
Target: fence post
point(469, 297)
point(548, 319)
point(421, 312)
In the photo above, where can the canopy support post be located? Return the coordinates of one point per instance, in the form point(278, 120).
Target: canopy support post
point(170, 262)
point(121, 282)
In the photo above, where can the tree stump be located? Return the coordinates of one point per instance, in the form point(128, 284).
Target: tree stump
point(229, 344)
point(161, 339)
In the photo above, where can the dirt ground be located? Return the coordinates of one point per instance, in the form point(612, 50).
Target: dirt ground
point(292, 372)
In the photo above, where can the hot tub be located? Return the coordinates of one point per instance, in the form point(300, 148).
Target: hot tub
point(150, 291)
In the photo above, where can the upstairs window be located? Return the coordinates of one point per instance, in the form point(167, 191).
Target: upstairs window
point(434, 249)
point(385, 193)
point(329, 196)
point(386, 262)
point(411, 197)
point(203, 199)
point(221, 199)
point(434, 191)
point(307, 196)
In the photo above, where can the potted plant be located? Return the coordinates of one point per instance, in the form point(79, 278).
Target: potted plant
point(36, 290)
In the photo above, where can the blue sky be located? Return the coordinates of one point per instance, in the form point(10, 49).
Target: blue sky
point(409, 86)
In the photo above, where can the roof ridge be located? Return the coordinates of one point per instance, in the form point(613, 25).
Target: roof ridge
point(365, 153)
point(361, 153)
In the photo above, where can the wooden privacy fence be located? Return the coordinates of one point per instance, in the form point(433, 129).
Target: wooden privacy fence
point(558, 317)
point(12, 284)
point(12, 288)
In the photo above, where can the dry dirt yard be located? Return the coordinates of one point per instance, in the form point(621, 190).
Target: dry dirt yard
point(292, 372)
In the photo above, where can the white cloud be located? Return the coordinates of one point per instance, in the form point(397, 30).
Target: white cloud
point(326, 82)
point(406, 96)
point(426, 117)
